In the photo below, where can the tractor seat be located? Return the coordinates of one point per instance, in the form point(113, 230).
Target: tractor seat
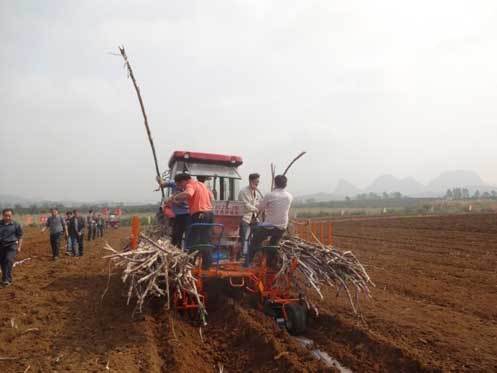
point(205, 238)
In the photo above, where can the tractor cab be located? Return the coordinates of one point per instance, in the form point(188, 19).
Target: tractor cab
point(224, 182)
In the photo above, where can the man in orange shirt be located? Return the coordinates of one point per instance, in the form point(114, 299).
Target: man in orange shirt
point(200, 201)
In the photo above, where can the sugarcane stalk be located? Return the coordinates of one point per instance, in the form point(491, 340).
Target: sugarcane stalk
point(142, 106)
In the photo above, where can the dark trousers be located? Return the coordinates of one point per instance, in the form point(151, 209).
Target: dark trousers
point(260, 234)
point(181, 223)
point(92, 231)
point(76, 242)
point(55, 243)
point(7, 259)
point(244, 231)
point(77, 239)
point(100, 230)
point(201, 235)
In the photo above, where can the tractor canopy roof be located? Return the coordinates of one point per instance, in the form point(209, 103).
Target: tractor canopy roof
point(205, 158)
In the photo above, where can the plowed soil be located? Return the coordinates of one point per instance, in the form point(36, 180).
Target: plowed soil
point(434, 309)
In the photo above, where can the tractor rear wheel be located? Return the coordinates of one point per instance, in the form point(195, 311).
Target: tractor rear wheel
point(296, 321)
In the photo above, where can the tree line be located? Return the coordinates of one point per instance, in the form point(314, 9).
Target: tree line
point(463, 193)
point(43, 208)
point(374, 196)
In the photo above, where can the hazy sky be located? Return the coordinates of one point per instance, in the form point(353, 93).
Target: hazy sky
point(366, 87)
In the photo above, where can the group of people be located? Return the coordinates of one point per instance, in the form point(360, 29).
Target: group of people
point(264, 217)
point(192, 203)
point(72, 227)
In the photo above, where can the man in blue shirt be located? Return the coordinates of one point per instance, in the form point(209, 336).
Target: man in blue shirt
point(181, 211)
point(56, 224)
point(10, 244)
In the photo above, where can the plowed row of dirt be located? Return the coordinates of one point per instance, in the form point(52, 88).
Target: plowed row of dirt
point(54, 318)
point(434, 309)
point(436, 294)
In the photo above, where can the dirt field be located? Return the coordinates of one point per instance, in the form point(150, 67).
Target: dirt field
point(434, 309)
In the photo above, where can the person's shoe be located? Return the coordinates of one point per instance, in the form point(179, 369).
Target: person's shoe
point(6, 283)
point(55, 258)
point(68, 253)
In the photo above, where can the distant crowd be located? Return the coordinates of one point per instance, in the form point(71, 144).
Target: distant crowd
point(72, 227)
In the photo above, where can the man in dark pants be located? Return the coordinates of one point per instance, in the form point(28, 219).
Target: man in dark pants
point(10, 244)
point(100, 225)
point(76, 232)
point(91, 225)
point(182, 219)
point(68, 238)
point(57, 226)
point(200, 201)
point(250, 198)
point(276, 205)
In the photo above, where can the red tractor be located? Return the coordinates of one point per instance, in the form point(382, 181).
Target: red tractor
point(281, 302)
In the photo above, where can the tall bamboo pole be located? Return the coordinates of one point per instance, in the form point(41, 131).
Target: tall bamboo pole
point(130, 72)
point(292, 162)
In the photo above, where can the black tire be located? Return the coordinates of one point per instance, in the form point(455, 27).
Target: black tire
point(268, 309)
point(296, 321)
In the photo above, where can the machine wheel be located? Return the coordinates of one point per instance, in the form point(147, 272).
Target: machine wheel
point(268, 309)
point(296, 321)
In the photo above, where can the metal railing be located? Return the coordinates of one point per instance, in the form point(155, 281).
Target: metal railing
point(314, 230)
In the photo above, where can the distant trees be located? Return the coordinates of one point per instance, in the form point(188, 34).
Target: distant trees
point(449, 194)
point(463, 193)
point(375, 197)
point(44, 208)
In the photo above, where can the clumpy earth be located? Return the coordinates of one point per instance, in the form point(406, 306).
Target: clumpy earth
point(434, 308)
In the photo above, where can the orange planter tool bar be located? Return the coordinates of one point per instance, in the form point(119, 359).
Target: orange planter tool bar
point(135, 231)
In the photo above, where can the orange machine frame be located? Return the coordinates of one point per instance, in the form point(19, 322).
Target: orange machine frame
point(258, 279)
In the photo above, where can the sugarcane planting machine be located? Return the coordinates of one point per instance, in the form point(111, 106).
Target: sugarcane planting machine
point(218, 246)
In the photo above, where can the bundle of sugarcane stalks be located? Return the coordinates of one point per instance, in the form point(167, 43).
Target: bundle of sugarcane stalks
point(157, 268)
point(317, 265)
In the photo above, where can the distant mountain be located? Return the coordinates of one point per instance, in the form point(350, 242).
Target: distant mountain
point(344, 188)
point(407, 186)
point(454, 179)
point(389, 184)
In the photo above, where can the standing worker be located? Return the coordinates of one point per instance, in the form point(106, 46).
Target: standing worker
point(182, 219)
point(250, 198)
point(76, 232)
point(56, 225)
point(100, 225)
point(200, 202)
point(68, 238)
point(10, 244)
point(276, 205)
point(91, 225)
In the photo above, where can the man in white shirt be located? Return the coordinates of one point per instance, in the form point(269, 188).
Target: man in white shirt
point(250, 198)
point(276, 205)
